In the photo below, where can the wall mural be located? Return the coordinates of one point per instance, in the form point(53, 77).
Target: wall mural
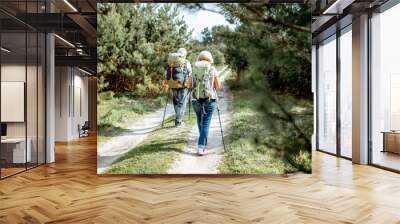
point(204, 88)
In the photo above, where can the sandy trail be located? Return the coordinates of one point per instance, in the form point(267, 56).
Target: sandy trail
point(111, 150)
point(188, 161)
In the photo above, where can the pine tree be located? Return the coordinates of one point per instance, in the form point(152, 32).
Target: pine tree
point(133, 43)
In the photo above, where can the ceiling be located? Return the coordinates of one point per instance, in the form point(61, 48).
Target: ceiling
point(329, 15)
point(74, 22)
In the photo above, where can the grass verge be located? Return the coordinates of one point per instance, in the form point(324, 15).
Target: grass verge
point(249, 151)
point(157, 152)
point(116, 113)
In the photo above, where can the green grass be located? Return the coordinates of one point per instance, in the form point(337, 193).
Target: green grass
point(248, 150)
point(116, 113)
point(157, 152)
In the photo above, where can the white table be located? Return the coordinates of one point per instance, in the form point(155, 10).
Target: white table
point(19, 155)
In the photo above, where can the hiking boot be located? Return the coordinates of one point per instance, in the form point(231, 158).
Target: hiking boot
point(201, 149)
point(178, 123)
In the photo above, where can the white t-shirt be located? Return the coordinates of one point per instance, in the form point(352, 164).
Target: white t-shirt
point(213, 75)
point(188, 66)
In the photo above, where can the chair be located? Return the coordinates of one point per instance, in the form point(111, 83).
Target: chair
point(84, 130)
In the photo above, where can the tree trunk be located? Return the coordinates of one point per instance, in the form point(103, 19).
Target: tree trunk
point(238, 76)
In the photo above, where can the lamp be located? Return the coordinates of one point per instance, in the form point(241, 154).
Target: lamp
point(5, 50)
point(70, 5)
point(337, 7)
point(64, 40)
point(86, 72)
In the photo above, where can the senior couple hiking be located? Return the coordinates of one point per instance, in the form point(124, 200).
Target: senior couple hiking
point(200, 82)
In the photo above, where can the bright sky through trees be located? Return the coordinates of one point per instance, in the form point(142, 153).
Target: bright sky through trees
point(198, 20)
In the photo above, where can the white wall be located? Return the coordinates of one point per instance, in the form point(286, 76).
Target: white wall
point(71, 87)
point(80, 89)
point(9, 73)
point(33, 127)
point(12, 73)
point(62, 82)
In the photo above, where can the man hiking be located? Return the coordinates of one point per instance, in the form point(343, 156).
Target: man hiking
point(177, 73)
point(205, 82)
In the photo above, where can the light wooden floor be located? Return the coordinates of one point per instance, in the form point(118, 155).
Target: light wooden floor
point(69, 191)
point(10, 171)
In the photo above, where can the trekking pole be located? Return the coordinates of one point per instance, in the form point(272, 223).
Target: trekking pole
point(220, 125)
point(190, 98)
point(190, 101)
point(165, 110)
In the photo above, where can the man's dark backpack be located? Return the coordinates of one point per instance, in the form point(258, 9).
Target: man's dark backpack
point(176, 72)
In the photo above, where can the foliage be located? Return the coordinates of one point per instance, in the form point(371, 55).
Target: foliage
point(258, 144)
point(272, 39)
point(133, 43)
point(233, 48)
point(206, 37)
point(197, 46)
point(243, 155)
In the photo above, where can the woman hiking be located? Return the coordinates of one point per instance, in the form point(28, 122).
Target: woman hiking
point(205, 81)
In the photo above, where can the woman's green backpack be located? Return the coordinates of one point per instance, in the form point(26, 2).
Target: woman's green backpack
point(202, 87)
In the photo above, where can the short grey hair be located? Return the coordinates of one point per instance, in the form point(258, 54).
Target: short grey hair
point(182, 51)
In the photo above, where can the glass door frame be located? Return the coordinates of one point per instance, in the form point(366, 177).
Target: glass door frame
point(30, 29)
point(387, 5)
point(338, 33)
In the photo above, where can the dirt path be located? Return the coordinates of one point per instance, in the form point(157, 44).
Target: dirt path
point(189, 162)
point(111, 150)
